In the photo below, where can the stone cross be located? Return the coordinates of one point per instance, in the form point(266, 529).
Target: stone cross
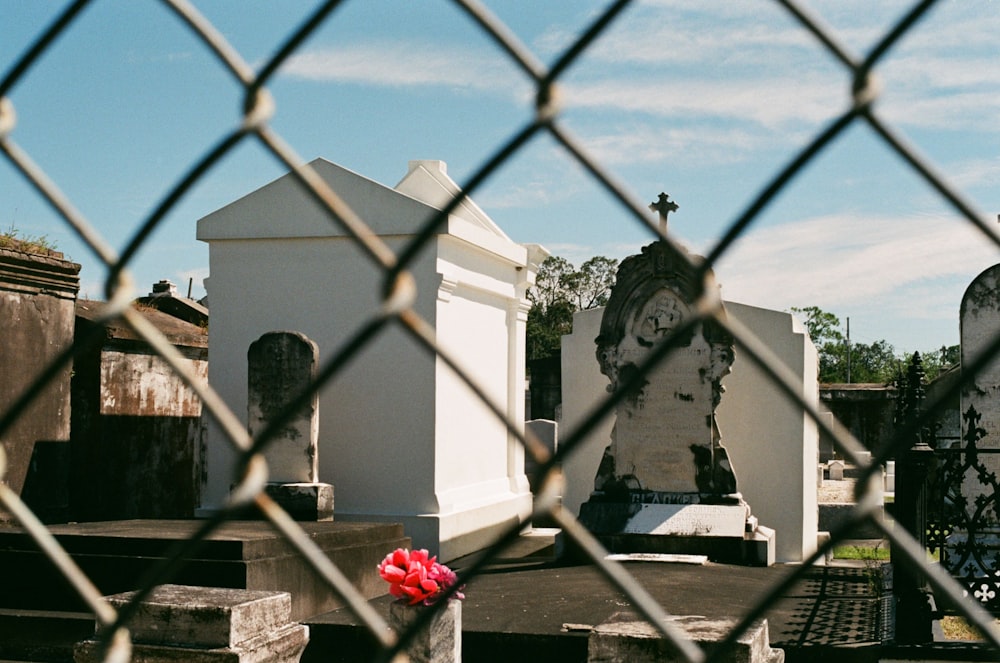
point(663, 206)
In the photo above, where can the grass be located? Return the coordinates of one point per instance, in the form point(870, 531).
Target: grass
point(957, 628)
point(861, 552)
point(12, 238)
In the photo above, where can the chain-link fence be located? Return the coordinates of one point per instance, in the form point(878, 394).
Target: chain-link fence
point(255, 126)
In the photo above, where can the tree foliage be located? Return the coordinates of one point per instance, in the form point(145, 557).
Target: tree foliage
point(841, 360)
point(561, 290)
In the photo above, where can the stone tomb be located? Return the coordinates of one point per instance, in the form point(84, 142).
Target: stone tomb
point(207, 624)
point(403, 438)
point(665, 483)
point(281, 366)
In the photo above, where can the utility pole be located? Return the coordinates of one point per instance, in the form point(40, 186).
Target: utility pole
point(848, 350)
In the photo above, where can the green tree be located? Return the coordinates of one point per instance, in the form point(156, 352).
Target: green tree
point(824, 330)
point(940, 360)
point(591, 286)
point(550, 282)
point(874, 362)
point(561, 290)
point(841, 361)
point(868, 362)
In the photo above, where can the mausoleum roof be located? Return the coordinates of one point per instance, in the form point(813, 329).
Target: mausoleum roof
point(282, 209)
point(178, 332)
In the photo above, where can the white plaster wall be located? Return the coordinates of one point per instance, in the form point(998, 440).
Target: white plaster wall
point(373, 415)
point(773, 445)
point(583, 387)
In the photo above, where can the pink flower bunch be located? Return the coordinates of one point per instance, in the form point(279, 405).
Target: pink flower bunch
point(416, 577)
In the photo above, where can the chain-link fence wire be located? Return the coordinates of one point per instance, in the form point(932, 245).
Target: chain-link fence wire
point(397, 311)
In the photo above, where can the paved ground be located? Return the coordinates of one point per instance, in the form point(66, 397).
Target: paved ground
point(541, 612)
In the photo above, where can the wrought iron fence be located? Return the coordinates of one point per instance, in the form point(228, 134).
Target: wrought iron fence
point(962, 532)
point(255, 126)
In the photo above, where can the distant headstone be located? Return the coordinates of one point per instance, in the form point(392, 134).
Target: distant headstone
point(666, 481)
point(836, 469)
point(281, 367)
point(547, 432)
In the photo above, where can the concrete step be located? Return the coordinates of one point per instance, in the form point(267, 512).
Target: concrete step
point(238, 555)
point(37, 635)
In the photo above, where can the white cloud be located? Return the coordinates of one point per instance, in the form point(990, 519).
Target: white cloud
point(407, 65)
point(701, 144)
point(975, 172)
point(769, 102)
point(838, 260)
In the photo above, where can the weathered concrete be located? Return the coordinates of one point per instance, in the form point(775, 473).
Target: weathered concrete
point(207, 625)
point(547, 432)
point(36, 324)
point(238, 555)
point(626, 637)
point(137, 429)
point(281, 367)
point(665, 440)
point(866, 410)
point(440, 640)
point(204, 616)
point(547, 613)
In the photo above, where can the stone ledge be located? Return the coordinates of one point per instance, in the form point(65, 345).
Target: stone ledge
point(626, 637)
point(205, 616)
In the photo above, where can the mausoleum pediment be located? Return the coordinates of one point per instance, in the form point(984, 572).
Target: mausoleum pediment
point(283, 209)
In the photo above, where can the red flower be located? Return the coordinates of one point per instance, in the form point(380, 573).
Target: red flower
point(416, 577)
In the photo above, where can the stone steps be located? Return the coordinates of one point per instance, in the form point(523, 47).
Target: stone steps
point(238, 555)
point(36, 635)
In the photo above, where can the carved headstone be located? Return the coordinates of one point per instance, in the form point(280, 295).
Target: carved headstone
point(666, 446)
point(281, 367)
point(665, 476)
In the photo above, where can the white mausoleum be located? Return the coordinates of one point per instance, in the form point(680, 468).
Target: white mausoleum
point(401, 438)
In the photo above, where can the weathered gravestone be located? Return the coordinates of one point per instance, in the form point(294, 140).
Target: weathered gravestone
point(665, 483)
point(281, 367)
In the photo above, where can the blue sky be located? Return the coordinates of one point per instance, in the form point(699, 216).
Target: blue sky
point(705, 101)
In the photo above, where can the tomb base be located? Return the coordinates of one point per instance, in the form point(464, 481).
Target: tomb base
point(117, 555)
point(303, 501)
point(725, 533)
